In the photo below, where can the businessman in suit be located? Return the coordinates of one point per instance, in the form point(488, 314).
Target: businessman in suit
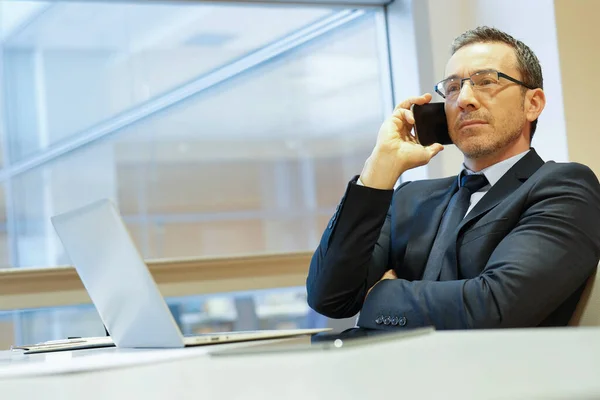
point(509, 242)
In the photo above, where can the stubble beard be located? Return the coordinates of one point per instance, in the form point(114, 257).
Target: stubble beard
point(486, 147)
point(489, 144)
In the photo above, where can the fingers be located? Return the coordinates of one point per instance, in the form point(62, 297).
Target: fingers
point(403, 115)
point(391, 274)
point(404, 121)
point(403, 118)
point(406, 104)
point(408, 116)
point(434, 149)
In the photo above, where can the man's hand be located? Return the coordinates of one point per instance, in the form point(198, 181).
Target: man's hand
point(388, 275)
point(397, 150)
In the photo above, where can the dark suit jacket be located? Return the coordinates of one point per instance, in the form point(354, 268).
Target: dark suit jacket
point(521, 259)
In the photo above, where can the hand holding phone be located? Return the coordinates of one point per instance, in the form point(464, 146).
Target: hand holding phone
point(397, 150)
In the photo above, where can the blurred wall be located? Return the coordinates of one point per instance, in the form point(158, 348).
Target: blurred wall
point(580, 68)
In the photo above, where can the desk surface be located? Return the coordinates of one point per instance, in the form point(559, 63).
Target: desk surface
point(529, 363)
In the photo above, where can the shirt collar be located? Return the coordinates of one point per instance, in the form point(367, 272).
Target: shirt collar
point(493, 173)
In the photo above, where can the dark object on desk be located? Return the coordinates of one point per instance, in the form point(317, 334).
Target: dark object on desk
point(348, 334)
point(354, 337)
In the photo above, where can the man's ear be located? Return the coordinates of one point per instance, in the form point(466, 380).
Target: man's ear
point(535, 101)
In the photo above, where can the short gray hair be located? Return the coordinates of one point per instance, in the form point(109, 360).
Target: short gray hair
point(527, 62)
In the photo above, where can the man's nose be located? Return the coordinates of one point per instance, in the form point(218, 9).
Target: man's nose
point(466, 97)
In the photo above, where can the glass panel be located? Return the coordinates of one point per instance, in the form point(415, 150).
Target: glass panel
point(254, 164)
point(38, 325)
point(272, 309)
point(4, 246)
point(71, 65)
point(2, 88)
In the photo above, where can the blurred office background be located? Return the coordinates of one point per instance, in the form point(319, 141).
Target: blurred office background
point(218, 130)
point(225, 129)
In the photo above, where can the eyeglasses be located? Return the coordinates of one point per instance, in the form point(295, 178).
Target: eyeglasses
point(482, 80)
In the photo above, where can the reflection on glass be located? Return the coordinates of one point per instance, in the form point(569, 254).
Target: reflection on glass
point(4, 250)
point(70, 65)
point(254, 164)
point(273, 309)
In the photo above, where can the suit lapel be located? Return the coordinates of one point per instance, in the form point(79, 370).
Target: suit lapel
point(431, 209)
point(426, 223)
point(509, 182)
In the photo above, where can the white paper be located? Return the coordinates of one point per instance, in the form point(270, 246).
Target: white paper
point(16, 364)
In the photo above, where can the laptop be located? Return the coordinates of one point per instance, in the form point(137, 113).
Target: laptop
point(122, 289)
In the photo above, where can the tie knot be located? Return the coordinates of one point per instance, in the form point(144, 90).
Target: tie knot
point(473, 182)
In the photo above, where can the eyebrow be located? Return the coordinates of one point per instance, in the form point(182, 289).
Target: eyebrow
point(456, 76)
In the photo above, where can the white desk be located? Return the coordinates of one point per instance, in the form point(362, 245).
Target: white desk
point(511, 364)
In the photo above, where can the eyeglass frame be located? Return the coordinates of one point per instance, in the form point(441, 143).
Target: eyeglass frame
point(462, 81)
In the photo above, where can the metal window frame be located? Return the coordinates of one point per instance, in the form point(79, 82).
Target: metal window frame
point(278, 3)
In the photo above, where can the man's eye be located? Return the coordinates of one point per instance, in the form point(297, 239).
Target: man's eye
point(452, 87)
point(486, 82)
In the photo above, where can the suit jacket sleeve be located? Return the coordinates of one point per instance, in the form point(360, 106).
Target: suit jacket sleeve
point(353, 252)
point(538, 265)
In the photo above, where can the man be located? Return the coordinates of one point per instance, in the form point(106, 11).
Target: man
point(530, 238)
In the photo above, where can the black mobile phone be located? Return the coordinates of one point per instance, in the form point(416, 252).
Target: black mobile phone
point(430, 124)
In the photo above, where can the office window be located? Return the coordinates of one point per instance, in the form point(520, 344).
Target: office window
point(266, 309)
point(216, 129)
point(4, 248)
point(213, 137)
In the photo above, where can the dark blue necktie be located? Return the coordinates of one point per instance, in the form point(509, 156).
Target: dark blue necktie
point(447, 232)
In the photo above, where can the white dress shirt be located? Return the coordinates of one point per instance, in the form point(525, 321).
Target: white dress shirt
point(493, 173)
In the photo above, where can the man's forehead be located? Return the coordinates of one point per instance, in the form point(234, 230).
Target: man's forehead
point(480, 56)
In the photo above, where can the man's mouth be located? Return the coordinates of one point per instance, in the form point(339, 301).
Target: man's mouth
point(473, 122)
